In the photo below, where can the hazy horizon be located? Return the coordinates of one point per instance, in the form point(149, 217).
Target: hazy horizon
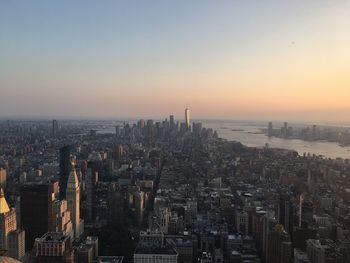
point(237, 60)
point(177, 118)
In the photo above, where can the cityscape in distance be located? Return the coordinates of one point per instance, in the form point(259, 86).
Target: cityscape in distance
point(175, 131)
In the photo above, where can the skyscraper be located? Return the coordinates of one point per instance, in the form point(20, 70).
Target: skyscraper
point(117, 131)
point(7, 221)
point(94, 171)
point(150, 130)
point(16, 244)
point(285, 129)
point(279, 249)
point(11, 238)
point(2, 178)
point(62, 218)
point(270, 129)
point(286, 214)
point(64, 169)
point(36, 205)
point(197, 128)
point(90, 181)
point(172, 122)
point(314, 132)
point(54, 128)
point(187, 118)
point(73, 199)
point(142, 124)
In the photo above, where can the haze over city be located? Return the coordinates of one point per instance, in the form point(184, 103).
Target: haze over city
point(176, 131)
point(267, 60)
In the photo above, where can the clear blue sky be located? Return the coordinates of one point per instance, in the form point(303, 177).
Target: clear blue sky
point(226, 59)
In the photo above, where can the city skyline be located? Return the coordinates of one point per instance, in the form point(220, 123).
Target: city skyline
point(175, 131)
point(156, 191)
point(233, 60)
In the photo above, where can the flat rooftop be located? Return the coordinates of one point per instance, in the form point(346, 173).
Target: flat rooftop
point(53, 237)
point(109, 259)
point(154, 249)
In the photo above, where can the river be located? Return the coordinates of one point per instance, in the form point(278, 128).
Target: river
point(248, 133)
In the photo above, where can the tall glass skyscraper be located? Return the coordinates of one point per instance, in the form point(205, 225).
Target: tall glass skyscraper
point(187, 118)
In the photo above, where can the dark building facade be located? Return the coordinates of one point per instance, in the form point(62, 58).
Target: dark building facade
point(54, 128)
point(36, 203)
point(286, 214)
point(279, 246)
point(64, 169)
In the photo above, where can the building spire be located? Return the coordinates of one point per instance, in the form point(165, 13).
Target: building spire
point(4, 207)
point(73, 181)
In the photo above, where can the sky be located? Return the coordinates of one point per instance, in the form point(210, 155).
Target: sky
point(259, 60)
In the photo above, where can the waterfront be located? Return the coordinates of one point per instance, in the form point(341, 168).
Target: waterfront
point(249, 133)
